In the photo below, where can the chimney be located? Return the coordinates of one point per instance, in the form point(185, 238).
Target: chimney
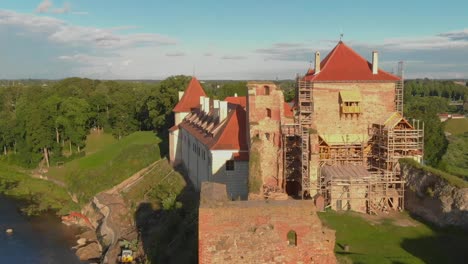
point(206, 105)
point(181, 93)
point(317, 62)
point(223, 109)
point(216, 108)
point(375, 62)
point(235, 94)
point(202, 100)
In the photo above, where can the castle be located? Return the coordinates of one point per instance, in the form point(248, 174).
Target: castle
point(340, 141)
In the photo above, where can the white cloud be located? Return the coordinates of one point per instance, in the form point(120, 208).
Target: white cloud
point(62, 10)
point(59, 31)
point(233, 57)
point(175, 54)
point(44, 6)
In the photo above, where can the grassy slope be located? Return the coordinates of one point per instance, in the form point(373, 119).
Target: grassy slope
point(456, 126)
point(385, 242)
point(96, 142)
point(161, 175)
point(108, 166)
point(455, 159)
point(40, 195)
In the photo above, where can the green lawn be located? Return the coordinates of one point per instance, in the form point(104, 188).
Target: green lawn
point(109, 165)
point(456, 126)
point(385, 242)
point(39, 195)
point(96, 142)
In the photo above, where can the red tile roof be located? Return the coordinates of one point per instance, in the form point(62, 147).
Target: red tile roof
point(344, 64)
point(191, 97)
point(288, 112)
point(239, 100)
point(234, 134)
point(230, 134)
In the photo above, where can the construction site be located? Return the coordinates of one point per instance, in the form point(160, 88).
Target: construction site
point(348, 134)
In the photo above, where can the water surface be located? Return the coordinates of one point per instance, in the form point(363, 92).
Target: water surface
point(34, 240)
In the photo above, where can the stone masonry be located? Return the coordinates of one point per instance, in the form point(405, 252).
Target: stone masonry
point(257, 231)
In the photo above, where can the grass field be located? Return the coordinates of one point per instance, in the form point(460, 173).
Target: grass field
point(38, 195)
point(390, 240)
point(109, 165)
point(96, 142)
point(456, 126)
point(455, 159)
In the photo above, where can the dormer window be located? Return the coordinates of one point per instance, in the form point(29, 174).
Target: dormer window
point(350, 103)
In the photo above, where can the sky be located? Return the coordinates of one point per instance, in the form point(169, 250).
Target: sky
point(215, 39)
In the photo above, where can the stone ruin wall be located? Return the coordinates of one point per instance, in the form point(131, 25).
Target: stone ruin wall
point(256, 232)
point(266, 129)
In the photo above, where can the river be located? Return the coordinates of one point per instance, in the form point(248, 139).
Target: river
point(34, 240)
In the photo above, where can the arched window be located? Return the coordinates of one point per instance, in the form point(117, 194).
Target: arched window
point(266, 89)
point(292, 238)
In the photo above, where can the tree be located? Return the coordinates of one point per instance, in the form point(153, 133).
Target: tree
point(426, 109)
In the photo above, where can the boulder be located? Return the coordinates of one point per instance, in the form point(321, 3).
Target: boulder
point(82, 241)
point(89, 252)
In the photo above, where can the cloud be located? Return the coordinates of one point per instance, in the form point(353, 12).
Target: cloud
point(175, 54)
point(235, 57)
point(44, 6)
point(208, 54)
point(59, 31)
point(62, 10)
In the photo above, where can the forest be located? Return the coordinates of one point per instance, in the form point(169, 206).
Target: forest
point(49, 122)
point(423, 100)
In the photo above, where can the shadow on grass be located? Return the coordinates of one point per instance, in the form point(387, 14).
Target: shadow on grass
point(446, 246)
point(170, 236)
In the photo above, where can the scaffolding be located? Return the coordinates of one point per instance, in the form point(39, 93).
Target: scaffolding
point(382, 187)
point(399, 90)
point(296, 138)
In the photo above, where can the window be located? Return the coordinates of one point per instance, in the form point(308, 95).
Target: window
point(268, 110)
point(267, 136)
point(350, 102)
point(203, 155)
point(229, 165)
point(266, 90)
point(198, 151)
point(292, 238)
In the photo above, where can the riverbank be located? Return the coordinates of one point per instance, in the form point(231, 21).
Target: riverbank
point(39, 239)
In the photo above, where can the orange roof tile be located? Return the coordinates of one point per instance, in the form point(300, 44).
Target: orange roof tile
point(232, 133)
point(344, 64)
point(288, 112)
point(239, 100)
point(191, 97)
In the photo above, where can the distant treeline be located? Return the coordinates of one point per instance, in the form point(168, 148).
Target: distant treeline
point(44, 121)
point(446, 89)
point(423, 100)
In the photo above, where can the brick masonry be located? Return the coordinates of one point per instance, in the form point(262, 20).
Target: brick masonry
point(256, 232)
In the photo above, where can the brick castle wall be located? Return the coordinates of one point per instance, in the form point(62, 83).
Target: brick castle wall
point(256, 232)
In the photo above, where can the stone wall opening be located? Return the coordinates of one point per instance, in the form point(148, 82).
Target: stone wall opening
point(292, 238)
